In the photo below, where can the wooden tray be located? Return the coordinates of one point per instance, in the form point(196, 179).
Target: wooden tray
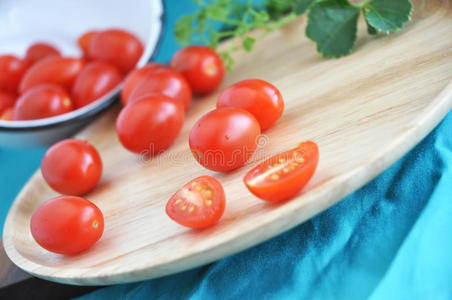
point(365, 111)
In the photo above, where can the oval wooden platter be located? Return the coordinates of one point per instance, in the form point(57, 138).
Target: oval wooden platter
point(365, 111)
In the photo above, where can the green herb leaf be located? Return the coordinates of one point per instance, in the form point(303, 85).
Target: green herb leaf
point(276, 8)
point(370, 29)
point(248, 43)
point(183, 30)
point(333, 26)
point(388, 15)
point(300, 6)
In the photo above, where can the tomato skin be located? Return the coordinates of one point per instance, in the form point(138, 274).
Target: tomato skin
point(150, 125)
point(6, 101)
point(85, 40)
point(96, 79)
point(11, 71)
point(256, 96)
point(224, 139)
point(284, 175)
point(202, 67)
point(166, 82)
point(67, 225)
point(42, 101)
point(8, 114)
point(38, 51)
point(134, 77)
point(58, 70)
point(117, 47)
point(72, 167)
point(199, 204)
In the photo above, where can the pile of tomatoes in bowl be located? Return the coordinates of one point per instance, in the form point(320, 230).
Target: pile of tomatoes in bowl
point(155, 99)
point(46, 84)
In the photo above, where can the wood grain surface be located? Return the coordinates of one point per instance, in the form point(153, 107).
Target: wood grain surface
point(365, 111)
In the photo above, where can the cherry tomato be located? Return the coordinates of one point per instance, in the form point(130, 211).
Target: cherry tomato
point(258, 97)
point(199, 204)
point(72, 167)
point(284, 175)
point(96, 79)
point(166, 82)
point(7, 115)
point(117, 47)
point(85, 40)
point(224, 139)
point(67, 225)
point(150, 125)
point(38, 51)
point(6, 101)
point(202, 67)
point(42, 101)
point(135, 76)
point(11, 71)
point(59, 70)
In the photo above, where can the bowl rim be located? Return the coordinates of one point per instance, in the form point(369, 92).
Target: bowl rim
point(100, 105)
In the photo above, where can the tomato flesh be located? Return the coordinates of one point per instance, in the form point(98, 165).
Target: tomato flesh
point(199, 204)
point(284, 175)
point(67, 225)
point(39, 51)
point(72, 167)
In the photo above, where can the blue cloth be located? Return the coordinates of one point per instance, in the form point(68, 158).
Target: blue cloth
point(392, 239)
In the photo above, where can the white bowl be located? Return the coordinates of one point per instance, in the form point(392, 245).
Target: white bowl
point(23, 22)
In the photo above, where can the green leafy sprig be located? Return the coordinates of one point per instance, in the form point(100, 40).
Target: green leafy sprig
point(332, 24)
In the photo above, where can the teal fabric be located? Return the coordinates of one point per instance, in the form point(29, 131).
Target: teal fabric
point(392, 239)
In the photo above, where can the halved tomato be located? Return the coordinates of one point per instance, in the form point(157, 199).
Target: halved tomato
point(282, 176)
point(199, 204)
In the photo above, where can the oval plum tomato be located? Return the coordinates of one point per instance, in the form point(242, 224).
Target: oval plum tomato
point(202, 67)
point(166, 82)
point(85, 40)
point(199, 204)
point(39, 51)
point(67, 225)
point(42, 101)
point(117, 47)
point(8, 114)
point(135, 76)
point(224, 139)
point(282, 176)
point(72, 167)
point(150, 125)
point(11, 71)
point(6, 101)
point(58, 70)
point(256, 96)
point(95, 80)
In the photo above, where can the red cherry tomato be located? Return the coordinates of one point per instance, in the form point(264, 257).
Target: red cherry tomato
point(199, 204)
point(11, 71)
point(85, 40)
point(135, 76)
point(67, 225)
point(166, 82)
point(6, 101)
point(150, 125)
point(42, 101)
point(284, 175)
point(96, 79)
point(258, 97)
point(39, 51)
point(117, 47)
point(72, 167)
point(202, 67)
point(7, 115)
point(224, 139)
point(58, 70)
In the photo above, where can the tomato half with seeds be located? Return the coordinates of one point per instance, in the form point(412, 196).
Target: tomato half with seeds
point(58, 70)
point(42, 101)
point(39, 51)
point(284, 175)
point(67, 225)
point(12, 70)
point(199, 204)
